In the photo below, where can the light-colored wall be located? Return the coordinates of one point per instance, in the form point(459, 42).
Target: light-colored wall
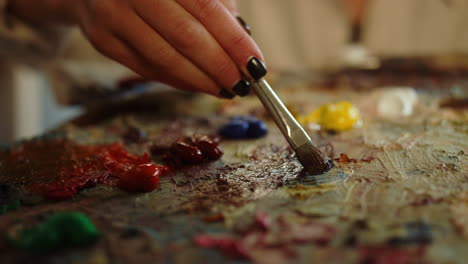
point(417, 27)
point(27, 106)
point(19, 103)
point(298, 34)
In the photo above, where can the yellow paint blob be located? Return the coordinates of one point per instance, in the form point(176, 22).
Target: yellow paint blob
point(339, 116)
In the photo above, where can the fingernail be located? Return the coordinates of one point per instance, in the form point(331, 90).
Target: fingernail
point(226, 94)
point(242, 88)
point(244, 25)
point(256, 68)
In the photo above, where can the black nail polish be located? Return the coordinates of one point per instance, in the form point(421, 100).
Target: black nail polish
point(242, 88)
point(256, 68)
point(244, 25)
point(226, 94)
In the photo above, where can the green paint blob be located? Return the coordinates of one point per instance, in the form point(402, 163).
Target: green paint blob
point(11, 206)
point(77, 229)
point(68, 229)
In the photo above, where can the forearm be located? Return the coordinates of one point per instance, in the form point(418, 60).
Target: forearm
point(44, 11)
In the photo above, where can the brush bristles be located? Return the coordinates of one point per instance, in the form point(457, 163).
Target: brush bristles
point(313, 160)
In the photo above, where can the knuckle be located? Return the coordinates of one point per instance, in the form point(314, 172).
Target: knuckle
point(224, 68)
point(165, 61)
point(239, 40)
point(189, 34)
point(206, 8)
point(100, 8)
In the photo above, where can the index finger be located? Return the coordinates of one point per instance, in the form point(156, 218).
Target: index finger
point(231, 6)
point(225, 28)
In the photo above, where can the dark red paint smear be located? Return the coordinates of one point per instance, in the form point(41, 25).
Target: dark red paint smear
point(390, 255)
point(58, 169)
point(190, 150)
point(344, 158)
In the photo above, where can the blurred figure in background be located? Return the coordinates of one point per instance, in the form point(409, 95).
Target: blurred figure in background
point(296, 35)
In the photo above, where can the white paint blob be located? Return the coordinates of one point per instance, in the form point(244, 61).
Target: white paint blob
point(396, 102)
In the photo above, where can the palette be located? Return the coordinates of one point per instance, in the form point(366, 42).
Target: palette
point(401, 196)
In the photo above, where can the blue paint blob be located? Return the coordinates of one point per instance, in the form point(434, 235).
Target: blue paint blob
point(257, 129)
point(244, 127)
point(416, 233)
point(236, 118)
point(235, 129)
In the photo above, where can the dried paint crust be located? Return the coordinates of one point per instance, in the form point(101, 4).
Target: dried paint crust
point(405, 198)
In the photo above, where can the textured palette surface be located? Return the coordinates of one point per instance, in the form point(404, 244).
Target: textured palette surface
point(404, 200)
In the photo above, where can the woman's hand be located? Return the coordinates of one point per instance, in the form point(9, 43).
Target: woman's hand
point(196, 45)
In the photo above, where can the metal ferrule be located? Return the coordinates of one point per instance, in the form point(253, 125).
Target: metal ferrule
point(291, 129)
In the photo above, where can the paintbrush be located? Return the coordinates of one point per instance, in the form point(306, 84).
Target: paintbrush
point(312, 159)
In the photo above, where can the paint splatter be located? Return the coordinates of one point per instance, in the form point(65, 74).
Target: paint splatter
point(390, 255)
point(266, 235)
point(228, 245)
point(213, 218)
point(344, 158)
point(304, 191)
point(59, 169)
point(414, 233)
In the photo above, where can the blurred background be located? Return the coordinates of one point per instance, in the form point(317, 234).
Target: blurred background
point(295, 35)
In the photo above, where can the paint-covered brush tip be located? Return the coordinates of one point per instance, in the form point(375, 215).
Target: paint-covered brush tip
point(313, 160)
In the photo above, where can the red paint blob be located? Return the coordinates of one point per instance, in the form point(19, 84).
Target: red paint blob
point(58, 169)
point(209, 147)
point(188, 153)
point(197, 149)
point(142, 178)
point(190, 150)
